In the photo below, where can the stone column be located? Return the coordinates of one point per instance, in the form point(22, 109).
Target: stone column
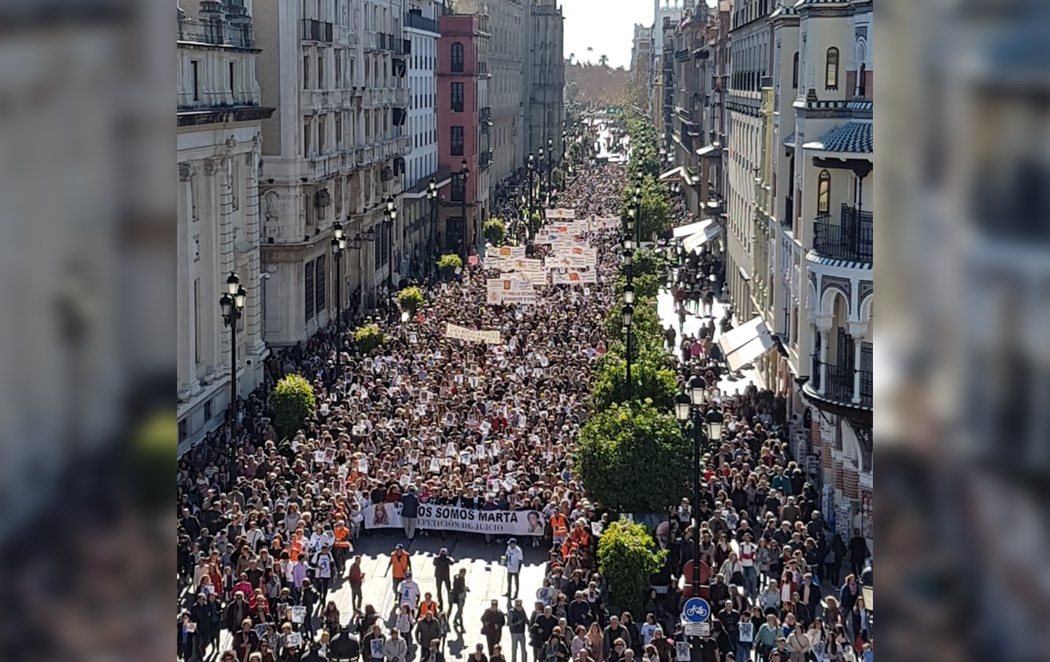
point(253, 316)
point(212, 276)
point(857, 331)
point(823, 329)
point(187, 368)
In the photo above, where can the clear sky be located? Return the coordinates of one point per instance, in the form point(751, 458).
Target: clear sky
point(606, 26)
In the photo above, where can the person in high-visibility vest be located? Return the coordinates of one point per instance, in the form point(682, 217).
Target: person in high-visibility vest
point(400, 565)
point(342, 547)
point(559, 528)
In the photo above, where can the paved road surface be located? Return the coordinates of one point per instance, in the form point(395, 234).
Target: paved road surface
point(486, 578)
point(668, 317)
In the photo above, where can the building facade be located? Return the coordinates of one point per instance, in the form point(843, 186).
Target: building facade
point(812, 245)
point(545, 78)
point(335, 70)
point(507, 89)
point(750, 54)
point(463, 130)
point(219, 146)
point(641, 54)
point(421, 163)
point(666, 15)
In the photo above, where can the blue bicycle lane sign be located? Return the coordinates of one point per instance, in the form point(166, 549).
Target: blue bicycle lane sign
point(696, 610)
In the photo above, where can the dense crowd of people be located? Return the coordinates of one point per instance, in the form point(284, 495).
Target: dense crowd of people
point(267, 525)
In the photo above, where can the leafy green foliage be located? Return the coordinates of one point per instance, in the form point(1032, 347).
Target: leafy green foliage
point(368, 337)
point(646, 286)
point(495, 231)
point(293, 401)
point(655, 214)
point(652, 380)
point(634, 458)
point(651, 262)
point(448, 264)
point(627, 556)
point(410, 299)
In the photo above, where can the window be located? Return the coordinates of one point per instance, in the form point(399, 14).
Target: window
point(824, 193)
point(321, 122)
point(457, 97)
point(308, 289)
point(196, 67)
point(457, 141)
point(306, 72)
point(235, 184)
point(229, 80)
point(831, 72)
point(339, 69)
point(457, 58)
point(459, 188)
point(339, 131)
point(861, 91)
point(306, 138)
point(184, 429)
point(320, 282)
point(320, 71)
point(207, 410)
point(794, 73)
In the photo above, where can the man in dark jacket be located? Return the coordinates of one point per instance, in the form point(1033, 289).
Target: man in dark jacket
point(517, 621)
point(492, 622)
point(410, 511)
point(579, 612)
point(613, 632)
point(236, 612)
point(858, 552)
point(427, 629)
point(443, 574)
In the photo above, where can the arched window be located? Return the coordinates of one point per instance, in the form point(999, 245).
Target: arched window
point(861, 55)
point(457, 57)
point(824, 193)
point(794, 73)
point(831, 71)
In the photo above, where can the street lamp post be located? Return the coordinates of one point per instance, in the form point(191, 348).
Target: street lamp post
point(691, 406)
point(338, 246)
point(531, 170)
point(628, 319)
point(232, 304)
point(432, 195)
point(550, 161)
point(391, 216)
point(465, 173)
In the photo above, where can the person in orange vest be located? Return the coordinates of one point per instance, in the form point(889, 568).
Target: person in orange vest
point(559, 528)
point(342, 548)
point(427, 606)
point(400, 565)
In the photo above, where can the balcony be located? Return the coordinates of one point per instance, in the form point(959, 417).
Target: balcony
point(323, 166)
point(852, 238)
point(368, 41)
point(401, 97)
point(313, 30)
point(420, 22)
point(840, 383)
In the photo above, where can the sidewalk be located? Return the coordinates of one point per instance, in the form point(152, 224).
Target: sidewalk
point(665, 308)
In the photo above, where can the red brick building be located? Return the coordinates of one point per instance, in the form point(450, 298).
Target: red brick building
point(463, 130)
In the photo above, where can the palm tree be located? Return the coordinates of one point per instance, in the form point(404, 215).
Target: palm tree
point(603, 60)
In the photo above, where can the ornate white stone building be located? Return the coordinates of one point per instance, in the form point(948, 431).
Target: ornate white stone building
point(813, 238)
point(333, 151)
point(219, 146)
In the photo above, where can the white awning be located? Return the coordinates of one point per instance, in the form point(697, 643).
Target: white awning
point(713, 149)
point(746, 343)
point(690, 228)
point(709, 230)
point(676, 172)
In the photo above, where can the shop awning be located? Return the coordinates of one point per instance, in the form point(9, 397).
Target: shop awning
point(690, 228)
point(746, 343)
point(705, 232)
point(676, 172)
point(714, 149)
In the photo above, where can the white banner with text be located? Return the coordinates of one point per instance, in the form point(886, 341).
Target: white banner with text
point(451, 518)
